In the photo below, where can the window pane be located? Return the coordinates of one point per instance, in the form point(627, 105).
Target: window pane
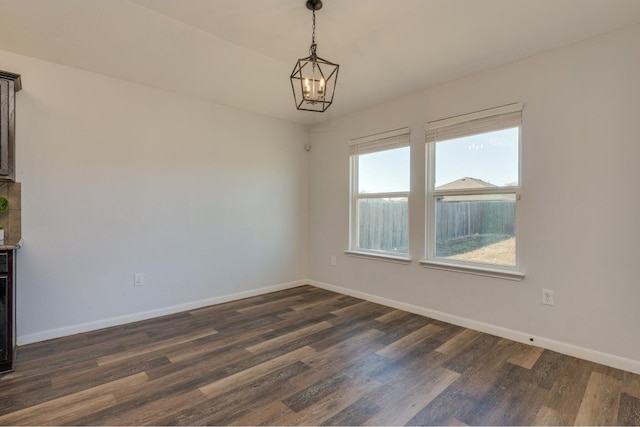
point(384, 172)
point(484, 160)
point(383, 224)
point(476, 228)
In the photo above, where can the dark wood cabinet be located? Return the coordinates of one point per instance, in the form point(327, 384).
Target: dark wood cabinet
point(7, 310)
point(9, 84)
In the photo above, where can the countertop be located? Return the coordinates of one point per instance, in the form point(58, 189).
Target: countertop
point(11, 245)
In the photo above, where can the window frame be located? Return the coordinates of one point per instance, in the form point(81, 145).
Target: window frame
point(384, 141)
point(512, 272)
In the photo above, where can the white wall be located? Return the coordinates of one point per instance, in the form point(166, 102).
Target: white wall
point(208, 202)
point(580, 233)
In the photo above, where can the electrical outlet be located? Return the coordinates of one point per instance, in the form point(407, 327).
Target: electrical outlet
point(547, 297)
point(138, 279)
point(333, 260)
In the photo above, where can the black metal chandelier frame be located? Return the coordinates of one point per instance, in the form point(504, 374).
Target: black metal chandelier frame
point(314, 79)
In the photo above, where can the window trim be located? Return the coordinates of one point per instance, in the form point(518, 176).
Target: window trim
point(484, 269)
point(383, 141)
point(378, 255)
point(478, 270)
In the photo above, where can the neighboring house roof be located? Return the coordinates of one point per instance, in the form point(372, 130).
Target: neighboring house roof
point(465, 183)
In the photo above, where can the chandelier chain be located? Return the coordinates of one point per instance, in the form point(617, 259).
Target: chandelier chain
point(312, 49)
point(313, 28)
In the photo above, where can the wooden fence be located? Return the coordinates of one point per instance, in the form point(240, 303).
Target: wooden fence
point(459, 219)
point(384, 224)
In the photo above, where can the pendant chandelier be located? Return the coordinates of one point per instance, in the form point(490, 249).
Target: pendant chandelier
point(314, 79)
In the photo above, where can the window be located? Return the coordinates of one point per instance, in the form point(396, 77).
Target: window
point(473, 183)
point(379, 209)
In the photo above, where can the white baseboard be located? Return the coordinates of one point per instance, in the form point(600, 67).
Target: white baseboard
point(135, 317)
point(614, 361)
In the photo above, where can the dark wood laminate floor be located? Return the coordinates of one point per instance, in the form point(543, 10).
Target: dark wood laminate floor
point(307, 356)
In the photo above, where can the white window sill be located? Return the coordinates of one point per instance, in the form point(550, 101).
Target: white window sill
point(477, 270)
point(379, 256)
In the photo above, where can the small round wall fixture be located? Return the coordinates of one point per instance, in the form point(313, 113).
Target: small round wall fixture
point(314, 79)
point(314, 4)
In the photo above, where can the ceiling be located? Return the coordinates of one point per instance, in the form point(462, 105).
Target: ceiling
point(240, 53)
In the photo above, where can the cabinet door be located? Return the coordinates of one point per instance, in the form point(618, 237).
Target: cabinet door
point(4, 127)
point(7, 316)
point(4, 320)
point(7, 127)
point(9, 84)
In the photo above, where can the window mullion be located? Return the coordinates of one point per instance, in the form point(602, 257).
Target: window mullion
point(391, 195)
point(430, 205)
point(476, 191)
point(353, 207)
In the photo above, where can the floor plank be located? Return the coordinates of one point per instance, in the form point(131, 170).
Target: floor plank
point(600, 403)
point(629, 410)
point(58, 410)
point(403, 400)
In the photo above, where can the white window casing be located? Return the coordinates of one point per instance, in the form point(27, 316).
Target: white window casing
point(397, 138)
point(480, 122)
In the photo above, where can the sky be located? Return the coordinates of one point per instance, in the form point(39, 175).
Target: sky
point(384, 171)
point(492, 157)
